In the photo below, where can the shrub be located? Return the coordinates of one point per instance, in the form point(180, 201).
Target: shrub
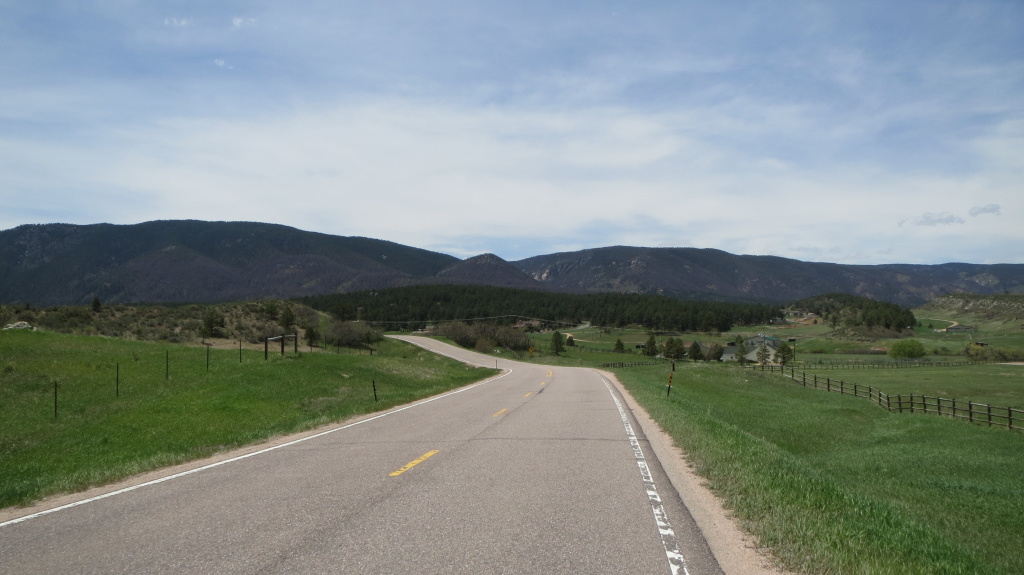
point(907, 349)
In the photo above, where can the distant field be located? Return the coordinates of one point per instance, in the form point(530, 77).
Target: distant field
point(102, 434)
point(994, 384)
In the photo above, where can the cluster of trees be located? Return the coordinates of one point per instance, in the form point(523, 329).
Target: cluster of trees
point(484, 337)
point(417, 306)
point(673, 348)
point(855, 311)
point(248, 321)
point(992, 353)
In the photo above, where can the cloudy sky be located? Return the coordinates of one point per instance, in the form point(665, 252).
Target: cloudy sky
point(851, 132)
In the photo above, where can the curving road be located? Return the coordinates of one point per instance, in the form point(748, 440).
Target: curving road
point(538, 470)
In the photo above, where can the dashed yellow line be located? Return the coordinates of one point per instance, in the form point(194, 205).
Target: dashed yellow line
point(528, 394)
point(500, 412)
point(413, 463)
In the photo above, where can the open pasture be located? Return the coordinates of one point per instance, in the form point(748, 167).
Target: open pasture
point(125, 407)
point(833, 484)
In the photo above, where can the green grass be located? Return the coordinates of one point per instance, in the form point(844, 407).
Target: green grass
point(99, 437)
point(833, 484)
point(995, 384)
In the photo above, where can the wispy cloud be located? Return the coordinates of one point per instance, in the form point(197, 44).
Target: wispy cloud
point(178, 22)
point(939, 219)
point(986, 209)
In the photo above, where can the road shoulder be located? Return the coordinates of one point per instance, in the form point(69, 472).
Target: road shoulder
point(736, 551)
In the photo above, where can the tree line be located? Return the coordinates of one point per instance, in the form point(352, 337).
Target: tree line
point(418, 306)
point(854, 311)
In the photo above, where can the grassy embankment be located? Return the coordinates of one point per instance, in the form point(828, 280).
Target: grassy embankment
point(834, 484)
point(101, 436)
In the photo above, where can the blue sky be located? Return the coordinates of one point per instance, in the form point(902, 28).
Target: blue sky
point(848, 132)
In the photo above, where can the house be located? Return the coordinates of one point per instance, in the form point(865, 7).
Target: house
point(752, 345)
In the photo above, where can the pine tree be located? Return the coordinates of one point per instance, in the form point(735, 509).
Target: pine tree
point(287, 319)
point(695, 353)
point(714, 352)
point(619, 347)
point(651, 347)
point(557, 346)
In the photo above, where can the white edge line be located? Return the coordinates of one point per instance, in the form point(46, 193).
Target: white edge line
point(676, 561)
point(247, 455)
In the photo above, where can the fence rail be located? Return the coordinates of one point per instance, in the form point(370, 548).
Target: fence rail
point(882, 364)
point(979, 413)
point(629, 364)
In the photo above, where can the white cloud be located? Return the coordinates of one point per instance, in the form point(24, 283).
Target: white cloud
point(939, 219)
point(986, 209)
point(178, 22)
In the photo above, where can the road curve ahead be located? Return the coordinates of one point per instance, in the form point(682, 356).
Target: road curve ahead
point(539, 470)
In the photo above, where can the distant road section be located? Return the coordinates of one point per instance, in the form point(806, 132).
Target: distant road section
point(540, 470)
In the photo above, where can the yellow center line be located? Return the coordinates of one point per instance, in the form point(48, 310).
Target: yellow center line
point(550, 373)
point(413, 463)
point(500, 412)
point(528, 394)
point(543, 382)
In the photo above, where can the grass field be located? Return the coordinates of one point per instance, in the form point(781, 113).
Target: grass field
point(833, 484)
point(102, 434)
point(994, 384)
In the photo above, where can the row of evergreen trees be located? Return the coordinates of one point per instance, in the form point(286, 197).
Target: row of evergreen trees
point(417, 306)
point(855, 311)
point(484, 337)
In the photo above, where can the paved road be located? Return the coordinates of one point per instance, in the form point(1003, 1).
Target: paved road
point(539, 470)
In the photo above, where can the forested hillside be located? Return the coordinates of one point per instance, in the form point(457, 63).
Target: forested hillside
point(693, 273)
point(432, 304)
point(209, 262)
point(852, 311)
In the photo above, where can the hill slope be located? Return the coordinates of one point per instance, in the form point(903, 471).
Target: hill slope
point(174, 261)
point(195, 261)
point(708, 273)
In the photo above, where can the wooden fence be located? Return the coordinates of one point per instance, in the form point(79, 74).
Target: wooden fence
point(632, 364)
point(879, 364)
point(980, 413)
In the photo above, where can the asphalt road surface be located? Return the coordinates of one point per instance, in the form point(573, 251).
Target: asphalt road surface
point(539, 470)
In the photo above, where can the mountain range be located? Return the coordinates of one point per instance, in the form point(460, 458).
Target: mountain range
point(198, 261)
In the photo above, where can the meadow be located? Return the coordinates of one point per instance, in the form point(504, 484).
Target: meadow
point(834, 484)
point(125, 407)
